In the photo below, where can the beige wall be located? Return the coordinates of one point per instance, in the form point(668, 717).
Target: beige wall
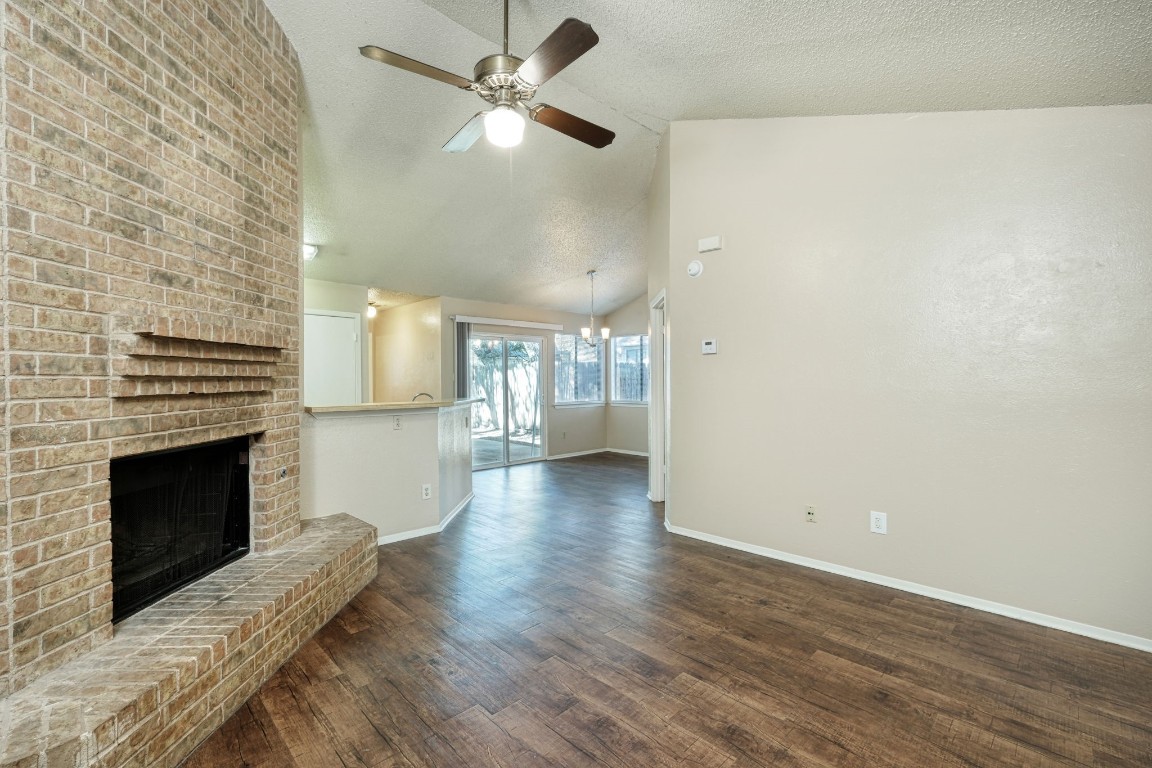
point(627, 428)
point(627, 425)
point(570, 429)
point(360, 464)
point(945, 317)
point(455, 447)
point(357, 464)
point(342, 297)
point(407, 349)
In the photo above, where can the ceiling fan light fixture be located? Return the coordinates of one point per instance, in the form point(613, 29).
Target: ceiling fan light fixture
point(507, 82)
point(504, 126)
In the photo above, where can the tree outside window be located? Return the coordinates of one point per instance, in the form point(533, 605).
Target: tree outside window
point(579, 370)
point(630, 369)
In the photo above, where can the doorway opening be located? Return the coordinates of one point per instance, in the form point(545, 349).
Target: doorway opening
point(508, 419)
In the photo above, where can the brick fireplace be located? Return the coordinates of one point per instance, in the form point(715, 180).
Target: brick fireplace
point(150, 300)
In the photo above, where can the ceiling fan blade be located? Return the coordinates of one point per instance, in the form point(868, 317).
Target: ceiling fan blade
point(568, 42)
point(466, 136)
point(570, 125)
point(419, 67)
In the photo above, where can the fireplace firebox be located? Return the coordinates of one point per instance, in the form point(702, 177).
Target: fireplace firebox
point(176, 516)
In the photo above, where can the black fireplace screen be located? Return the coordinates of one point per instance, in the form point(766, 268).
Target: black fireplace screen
point(176, 516)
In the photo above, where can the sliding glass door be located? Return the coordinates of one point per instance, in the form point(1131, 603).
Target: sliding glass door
point(508, 422)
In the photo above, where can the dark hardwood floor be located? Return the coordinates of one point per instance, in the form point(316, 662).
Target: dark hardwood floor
point(556, 623)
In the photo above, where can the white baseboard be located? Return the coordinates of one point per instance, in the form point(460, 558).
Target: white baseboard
point(596, 450)
point(452, 515)
point(392, 538)
point(577, 453)
point(1043, 619)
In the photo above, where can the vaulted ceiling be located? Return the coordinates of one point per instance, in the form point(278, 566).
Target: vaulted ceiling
point(389, 209)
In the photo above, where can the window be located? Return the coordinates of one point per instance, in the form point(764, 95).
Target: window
point(579, 370)
point(630, 369)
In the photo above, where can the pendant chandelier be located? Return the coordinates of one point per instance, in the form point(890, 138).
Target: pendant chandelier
point(589, 332)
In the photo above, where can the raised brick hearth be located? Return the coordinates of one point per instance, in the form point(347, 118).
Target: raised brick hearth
point(150, 300)
point(177, 669)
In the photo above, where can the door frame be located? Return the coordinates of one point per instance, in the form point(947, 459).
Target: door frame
point(659, 413)
point(542, 384)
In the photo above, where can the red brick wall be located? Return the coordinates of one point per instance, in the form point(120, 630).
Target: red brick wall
point(150, 283)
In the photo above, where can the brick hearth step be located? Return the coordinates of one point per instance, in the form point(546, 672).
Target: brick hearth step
point(175, 671)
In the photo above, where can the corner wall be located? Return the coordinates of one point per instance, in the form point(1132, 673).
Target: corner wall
point(407, 353)
point(627, 427)
point(945, 317)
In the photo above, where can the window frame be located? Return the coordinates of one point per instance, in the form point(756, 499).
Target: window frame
point(601, 359)
point(646, 346)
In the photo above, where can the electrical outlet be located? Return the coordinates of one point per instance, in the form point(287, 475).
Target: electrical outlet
point(878, 522)
point(810, 513)
point(426, 491)
point(396, 424)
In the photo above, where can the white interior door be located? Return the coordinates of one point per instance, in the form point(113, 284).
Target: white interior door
point(331, 358)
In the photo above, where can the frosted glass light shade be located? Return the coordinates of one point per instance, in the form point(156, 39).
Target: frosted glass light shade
point(504, 126)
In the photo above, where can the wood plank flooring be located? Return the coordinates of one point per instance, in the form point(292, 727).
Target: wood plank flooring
point(556, 623)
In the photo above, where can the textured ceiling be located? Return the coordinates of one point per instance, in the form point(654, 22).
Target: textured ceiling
point(384, 298)
point(390, 210)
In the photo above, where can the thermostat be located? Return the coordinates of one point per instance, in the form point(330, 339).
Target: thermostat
point(708, 347)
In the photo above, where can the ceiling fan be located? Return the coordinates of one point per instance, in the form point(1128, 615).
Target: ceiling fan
point(509, 83)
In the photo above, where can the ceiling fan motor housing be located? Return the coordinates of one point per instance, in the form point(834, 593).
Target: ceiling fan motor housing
point(495, 81)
